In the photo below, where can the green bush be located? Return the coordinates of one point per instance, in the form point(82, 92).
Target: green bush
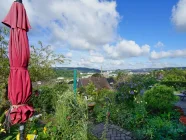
point(70, 121)
point(47, 97)
point(178, 85)
point(103, 103)
point(159, 99)
point(158, 128)
point(129, 118)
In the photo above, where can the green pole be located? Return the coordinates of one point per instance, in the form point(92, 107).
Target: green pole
point(75, 82)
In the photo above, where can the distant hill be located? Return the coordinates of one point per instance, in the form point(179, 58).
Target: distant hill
point(151, 69)
point(86, 70)
point(80, 69)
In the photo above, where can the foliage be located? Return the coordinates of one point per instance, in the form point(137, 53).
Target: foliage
point(97, 75)
point(65, 73)
point(69, 121)
point(143, 124)
point(41, 62)
point(46, 99)
point(174, 75)
point(70, 118)
point(104, 101)
point(4, 69)
point(126, 92)
point(90, 90)
point(102, 110)
point(161, 128)
point(159, 99)
point(178, 85)
point(136, 85)
point(122, 77)
point(4, 64)
point(129, 118)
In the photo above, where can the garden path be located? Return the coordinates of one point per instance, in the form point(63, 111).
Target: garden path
point(113, 132)
point(182, 104)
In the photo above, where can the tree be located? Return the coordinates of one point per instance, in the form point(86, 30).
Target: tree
point(122, 77)
point(4, 64)
point(41, 62)
point(4, 69)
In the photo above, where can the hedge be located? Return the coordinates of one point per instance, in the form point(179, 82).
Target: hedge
point(175, 84)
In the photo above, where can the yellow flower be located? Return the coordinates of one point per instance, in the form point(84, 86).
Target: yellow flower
point(0, 124)
point(3, 130)
point(44, 130)
point(18, 136)
point(31, 137)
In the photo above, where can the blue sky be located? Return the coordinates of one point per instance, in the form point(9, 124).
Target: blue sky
point(149, 22)
point(117, 34)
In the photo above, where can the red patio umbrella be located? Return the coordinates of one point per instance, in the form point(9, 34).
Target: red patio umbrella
point(19, 83)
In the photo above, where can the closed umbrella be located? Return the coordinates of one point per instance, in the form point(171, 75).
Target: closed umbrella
point(19, 83)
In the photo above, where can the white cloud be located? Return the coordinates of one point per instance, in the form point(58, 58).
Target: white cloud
point(168, 54)
point(94, 53)
point(69, 54)
point(82, 24)
point(159, 44)
point(97, 59)
point(179, 15)
point(126, 49)
point(84, 62)
point(116, 63)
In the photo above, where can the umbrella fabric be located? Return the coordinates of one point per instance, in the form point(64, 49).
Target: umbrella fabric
point(19, 83)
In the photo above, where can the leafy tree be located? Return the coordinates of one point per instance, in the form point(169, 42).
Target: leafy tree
point(65, 73)
point(122, 77)
point(4, 69)
point(174, 75)
point(41, 62)
point(4, 64)
point(159, 99)
point(97, 75)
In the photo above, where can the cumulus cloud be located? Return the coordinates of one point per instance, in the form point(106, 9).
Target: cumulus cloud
point(97, 59)
point(116, 62)
point(126, 49)
point(179, 15)
point(168, 54)
point(159, 44)
point(84, 62)
point(91, 60)
point(82, 24)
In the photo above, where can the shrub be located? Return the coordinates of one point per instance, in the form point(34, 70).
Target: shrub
point(159, 99)
point(45, 100)
point(176, 84)
point(70, 118)
point(68, 122)
point(126, 92)
point(129, 118)
point(158, 128)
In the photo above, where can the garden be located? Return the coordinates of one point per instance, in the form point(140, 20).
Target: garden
point(141, 104)
point(145, 106)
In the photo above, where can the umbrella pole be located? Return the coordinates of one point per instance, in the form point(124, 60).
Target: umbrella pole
point(21, 130)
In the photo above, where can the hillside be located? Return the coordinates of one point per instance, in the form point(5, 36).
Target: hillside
point(80, 69)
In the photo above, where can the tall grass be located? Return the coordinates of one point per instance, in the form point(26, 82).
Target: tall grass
point(71, 117)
